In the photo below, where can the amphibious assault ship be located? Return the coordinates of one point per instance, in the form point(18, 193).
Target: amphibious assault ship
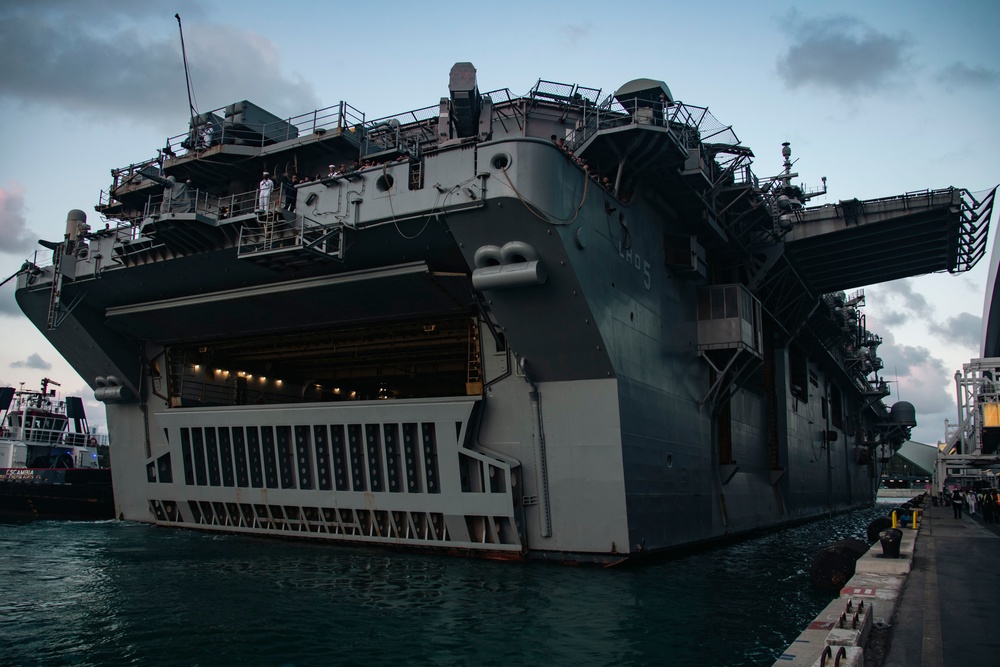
point(553, 325)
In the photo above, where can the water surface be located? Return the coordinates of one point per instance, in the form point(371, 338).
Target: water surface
point(118, 593)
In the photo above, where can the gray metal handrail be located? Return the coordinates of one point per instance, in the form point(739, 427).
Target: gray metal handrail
point(210, 205)
point(339, 116)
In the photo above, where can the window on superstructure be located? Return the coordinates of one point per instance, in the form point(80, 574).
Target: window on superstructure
point(718, 303)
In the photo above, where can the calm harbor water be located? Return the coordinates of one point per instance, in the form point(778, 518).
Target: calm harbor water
point(115, 593)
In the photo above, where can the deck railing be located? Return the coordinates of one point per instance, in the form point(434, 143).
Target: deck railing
point(210, 205)
point(341, 116)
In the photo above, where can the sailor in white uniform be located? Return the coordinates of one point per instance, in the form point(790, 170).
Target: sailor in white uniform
point(264, 193)
point(206, 135)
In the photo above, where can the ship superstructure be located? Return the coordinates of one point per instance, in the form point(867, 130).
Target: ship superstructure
point(554, 325)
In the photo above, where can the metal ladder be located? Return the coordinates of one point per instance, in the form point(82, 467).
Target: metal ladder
point(54, 295)
point(266, 220)
point(474, 381)
point(417, 175)
point(175, 379)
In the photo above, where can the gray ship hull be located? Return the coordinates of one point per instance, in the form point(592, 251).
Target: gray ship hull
point(480, 347)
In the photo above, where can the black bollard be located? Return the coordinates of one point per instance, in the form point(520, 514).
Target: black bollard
point(834, 564)
point(876, 527)
point(890, 538)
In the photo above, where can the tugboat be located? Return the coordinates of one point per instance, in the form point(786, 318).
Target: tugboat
point(47, 469)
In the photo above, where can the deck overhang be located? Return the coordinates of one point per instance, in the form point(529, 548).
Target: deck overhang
point(856, 243)
point(394, 292)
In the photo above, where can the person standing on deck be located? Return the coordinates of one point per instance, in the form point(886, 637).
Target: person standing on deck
point(264, 192)
point(288, 192)
point(660, 110)
point(206, 135)
point(956, 503)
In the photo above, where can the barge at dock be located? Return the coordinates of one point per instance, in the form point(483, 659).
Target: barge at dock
point(556, 325)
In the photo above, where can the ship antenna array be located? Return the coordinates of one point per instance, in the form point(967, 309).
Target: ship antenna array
point(187, 72)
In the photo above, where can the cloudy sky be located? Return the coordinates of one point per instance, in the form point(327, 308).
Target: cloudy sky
point(880, 97)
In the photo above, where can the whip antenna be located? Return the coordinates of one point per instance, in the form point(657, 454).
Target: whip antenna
point(187, 72)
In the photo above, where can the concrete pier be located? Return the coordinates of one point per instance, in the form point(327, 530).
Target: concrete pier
point(935, 606)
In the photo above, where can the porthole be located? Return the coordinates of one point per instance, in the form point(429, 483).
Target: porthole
point(500, 161)
point(384, 182)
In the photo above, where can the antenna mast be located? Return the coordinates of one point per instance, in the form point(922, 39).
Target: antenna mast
point(187, 72)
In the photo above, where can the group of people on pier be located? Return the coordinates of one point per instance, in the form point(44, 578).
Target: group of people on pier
point(984, 501)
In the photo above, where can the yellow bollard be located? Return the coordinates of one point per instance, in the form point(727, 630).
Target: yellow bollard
point(916, 514)
point(895, 523)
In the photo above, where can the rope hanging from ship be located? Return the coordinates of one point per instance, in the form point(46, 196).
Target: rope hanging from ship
point(435, 211)
point(427, 221)
point(392, 210)
point(537, 212)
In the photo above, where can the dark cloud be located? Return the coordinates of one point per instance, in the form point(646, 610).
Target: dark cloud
point(15, 237)
point(916, 375)
point(841, 54)
point(960, 75)
point(8, 306)
point(234, 64)
point(914, 304)
point(891, 318)
point(130, 61)
point(33, 361)
point(964, 329)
